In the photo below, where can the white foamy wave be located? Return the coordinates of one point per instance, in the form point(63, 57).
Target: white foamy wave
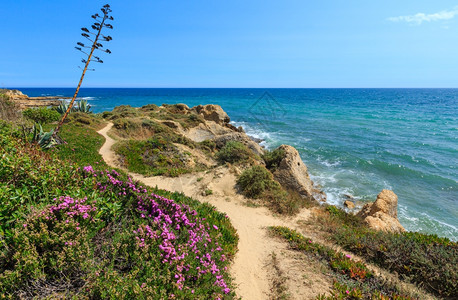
point(327, 163)
point(322, 179)
point(337, 196)
point(87, 98)
point(256, 133)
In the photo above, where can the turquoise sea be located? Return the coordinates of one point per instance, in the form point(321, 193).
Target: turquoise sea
point(354, 141)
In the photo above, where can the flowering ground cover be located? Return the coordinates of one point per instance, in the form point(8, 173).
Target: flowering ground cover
point(86, 232)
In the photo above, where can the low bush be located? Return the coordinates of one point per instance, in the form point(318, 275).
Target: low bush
point(427, 260)
point(82, 119)
point(273, 158)
point(122, 111)
point(150, 107)
point(365, 284)
point(178, 113)
point(258, 183)
point(255, 181)
point(234, 152)
point(41, 115)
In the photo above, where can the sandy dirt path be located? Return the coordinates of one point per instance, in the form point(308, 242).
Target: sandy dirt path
point(249, 269)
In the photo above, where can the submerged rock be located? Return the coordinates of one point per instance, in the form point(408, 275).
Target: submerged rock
point(292, 173)
point(383, 213)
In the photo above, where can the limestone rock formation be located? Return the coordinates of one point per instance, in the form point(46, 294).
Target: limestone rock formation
point(383, 213)
point(349, 204)
point(292, 173)
point(16, 95)
point(212, 112)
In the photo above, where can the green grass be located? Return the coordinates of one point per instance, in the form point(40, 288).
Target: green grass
point(152, 157)
point(81, 141)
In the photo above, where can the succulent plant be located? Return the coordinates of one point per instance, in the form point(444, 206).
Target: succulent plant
point(83, 106)
point(44, 139)
point(62, 108)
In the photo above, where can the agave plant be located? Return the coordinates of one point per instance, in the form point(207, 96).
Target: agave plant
point(94, 36)
point(62, 108)
point(44, 139)
point(83, 106)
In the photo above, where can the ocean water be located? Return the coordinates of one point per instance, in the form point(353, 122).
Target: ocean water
point(354, 141)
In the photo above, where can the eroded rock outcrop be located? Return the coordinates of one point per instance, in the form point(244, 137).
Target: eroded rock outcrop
point(292, 173)
point(23, 101)
point(15, 95)
point(383, 213)
point(212, 112)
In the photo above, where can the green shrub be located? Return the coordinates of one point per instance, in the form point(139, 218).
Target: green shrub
point(258, 183)
point(122, 123)
point(364, 284)
point(427, 260)
point(150, 107)
point(41, 115)
point(208, 145)
point(255, 181)
point(234, 152)
point(273, 158)
point(107, 114)
point(122, 111)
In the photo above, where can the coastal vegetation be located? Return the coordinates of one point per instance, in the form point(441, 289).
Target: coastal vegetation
point(234, 152)
point(428, 260)
point(73, 227)
point(258, 183)
point(41, 115)
point(69, 229)
point(352, 279)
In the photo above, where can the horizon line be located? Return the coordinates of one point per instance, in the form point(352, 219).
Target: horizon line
point(109, 87)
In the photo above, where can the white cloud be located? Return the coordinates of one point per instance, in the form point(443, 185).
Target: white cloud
point(422, 17)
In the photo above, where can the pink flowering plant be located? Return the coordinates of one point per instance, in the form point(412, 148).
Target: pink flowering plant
point(51, 242)
point(187, 250)
point(87, 233)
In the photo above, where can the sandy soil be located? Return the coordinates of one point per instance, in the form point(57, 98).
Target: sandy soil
point(250, 268)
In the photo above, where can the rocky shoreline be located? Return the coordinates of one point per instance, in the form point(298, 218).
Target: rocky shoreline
point(215, 127)
point(24, 101)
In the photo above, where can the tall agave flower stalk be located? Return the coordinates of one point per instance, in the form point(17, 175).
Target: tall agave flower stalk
point(93, 36)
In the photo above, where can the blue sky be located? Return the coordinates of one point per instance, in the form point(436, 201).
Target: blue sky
point(409, 43)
